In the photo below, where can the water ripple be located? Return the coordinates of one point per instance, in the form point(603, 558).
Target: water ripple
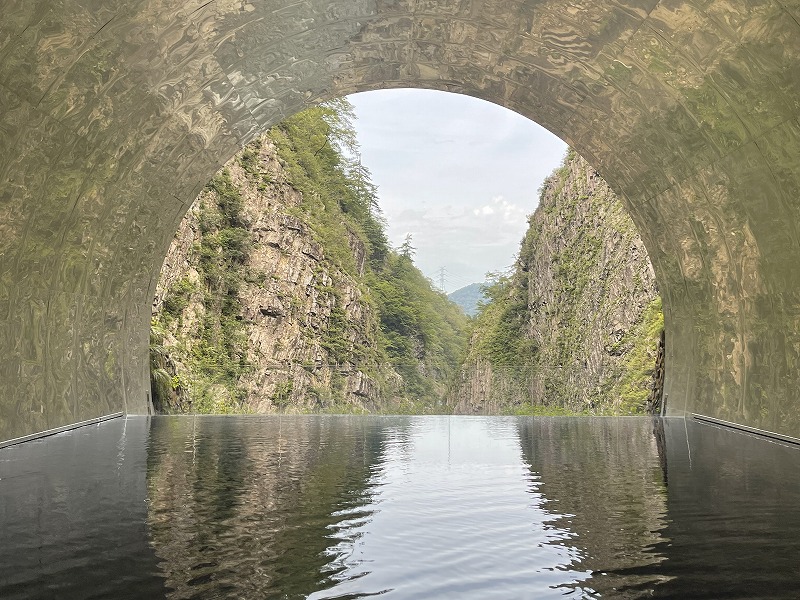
point(431, 507)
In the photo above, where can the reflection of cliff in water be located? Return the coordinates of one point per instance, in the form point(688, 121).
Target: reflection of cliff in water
point(260, 496)
point(726, 527)
point(604, 476)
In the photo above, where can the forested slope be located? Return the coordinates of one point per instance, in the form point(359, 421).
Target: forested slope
point(281, 292)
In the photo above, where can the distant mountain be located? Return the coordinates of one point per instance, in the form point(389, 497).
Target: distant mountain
point(468, 297)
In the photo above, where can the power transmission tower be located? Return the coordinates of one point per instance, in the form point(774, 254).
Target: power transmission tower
point(441, 279)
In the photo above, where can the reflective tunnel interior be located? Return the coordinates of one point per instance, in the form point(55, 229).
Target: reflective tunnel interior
point(113, 115)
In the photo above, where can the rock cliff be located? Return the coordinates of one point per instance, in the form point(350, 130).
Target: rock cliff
point(289, 301)
point(575, 325)
point(274, 296)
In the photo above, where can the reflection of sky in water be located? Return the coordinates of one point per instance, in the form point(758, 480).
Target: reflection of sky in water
point(455, 512)
point(427, 507)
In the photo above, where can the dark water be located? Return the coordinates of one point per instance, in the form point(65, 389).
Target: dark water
point(400, 507)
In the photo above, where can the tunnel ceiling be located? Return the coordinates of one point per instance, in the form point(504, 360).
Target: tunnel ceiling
point(114, 114)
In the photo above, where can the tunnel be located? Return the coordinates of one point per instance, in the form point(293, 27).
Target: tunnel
point(113, 115)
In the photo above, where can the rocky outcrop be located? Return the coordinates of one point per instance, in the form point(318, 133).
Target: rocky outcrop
point(281, 291)
point(580, 308)
point(290, 303)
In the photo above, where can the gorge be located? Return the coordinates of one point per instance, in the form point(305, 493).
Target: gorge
point(280, 293)
point(280, 290)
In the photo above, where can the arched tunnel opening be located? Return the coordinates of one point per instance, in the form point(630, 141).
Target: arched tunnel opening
point(114, 117)
point(290, 285)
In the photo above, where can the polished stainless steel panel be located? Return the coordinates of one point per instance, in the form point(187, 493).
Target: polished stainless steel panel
point(114, 114)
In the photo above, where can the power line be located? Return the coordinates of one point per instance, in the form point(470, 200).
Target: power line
point(462, 280)
point(443, 278)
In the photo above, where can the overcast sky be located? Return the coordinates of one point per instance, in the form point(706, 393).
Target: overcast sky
point(461, 175)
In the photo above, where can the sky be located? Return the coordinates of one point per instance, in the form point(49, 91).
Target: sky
point(460, 175)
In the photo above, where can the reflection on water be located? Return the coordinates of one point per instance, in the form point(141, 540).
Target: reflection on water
point(402, 507)
point(603, 479)
point(734, 515)
point(245, 508)
point(73, 516)
point(455, 513)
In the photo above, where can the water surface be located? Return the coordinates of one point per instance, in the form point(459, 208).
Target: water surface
point(326, 507)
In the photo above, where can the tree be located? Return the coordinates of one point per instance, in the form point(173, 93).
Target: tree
point(406, 250)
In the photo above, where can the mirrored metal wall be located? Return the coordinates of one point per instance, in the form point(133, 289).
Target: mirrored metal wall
point(114, 114)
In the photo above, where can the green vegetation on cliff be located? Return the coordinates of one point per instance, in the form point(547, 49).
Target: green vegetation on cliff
point(632, 386)
point(503, 322)
point(319, 149)
point(417, 324)
point(364, 328)
point(574, 326)
point(421, 334)
point(217, 358)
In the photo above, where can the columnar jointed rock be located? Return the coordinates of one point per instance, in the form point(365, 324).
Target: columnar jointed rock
point(581, 307)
